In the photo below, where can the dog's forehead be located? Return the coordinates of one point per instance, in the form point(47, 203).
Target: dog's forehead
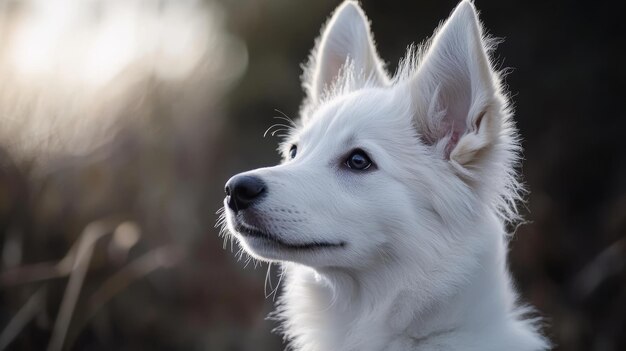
point(359, 114)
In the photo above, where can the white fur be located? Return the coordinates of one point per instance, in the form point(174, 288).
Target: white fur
point(423, 266)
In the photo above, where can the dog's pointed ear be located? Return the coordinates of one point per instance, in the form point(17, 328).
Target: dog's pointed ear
point(456, 91)
point(346, 38)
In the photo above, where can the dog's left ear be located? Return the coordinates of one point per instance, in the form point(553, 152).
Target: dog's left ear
point(345, 39)
point(456, 91)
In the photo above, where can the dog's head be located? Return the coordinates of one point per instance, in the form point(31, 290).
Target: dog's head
point(382, 167)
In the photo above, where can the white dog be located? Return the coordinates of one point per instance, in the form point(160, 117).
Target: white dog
point(388, 213)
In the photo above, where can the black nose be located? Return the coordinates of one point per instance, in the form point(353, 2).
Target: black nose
point(242, 191)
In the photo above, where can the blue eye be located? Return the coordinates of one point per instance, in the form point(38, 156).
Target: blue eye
point(293, 152)
point(358, 160)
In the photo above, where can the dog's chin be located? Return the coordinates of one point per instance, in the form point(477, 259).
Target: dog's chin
point(267, 246)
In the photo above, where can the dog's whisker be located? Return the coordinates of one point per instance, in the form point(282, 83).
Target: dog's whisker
point(285, 117)
point(277, 125)
point(268, 279)
point(280, 279)
point(278, 130)
point(292, 125)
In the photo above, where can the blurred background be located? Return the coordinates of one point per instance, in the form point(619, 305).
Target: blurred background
point(120, 121)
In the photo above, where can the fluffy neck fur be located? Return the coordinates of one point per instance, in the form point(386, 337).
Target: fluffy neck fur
point(381, 308)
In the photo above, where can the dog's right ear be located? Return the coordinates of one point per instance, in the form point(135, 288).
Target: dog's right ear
point(461, 109)
point(346, 40)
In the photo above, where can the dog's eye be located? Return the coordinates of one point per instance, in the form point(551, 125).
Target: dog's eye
point(358, 160)
point(293, 152)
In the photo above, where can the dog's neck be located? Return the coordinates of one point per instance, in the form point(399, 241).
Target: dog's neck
point(338, 309)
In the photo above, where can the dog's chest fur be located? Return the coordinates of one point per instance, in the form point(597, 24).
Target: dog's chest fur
point(342, 314)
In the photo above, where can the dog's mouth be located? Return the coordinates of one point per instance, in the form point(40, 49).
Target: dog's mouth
point(248, 231)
